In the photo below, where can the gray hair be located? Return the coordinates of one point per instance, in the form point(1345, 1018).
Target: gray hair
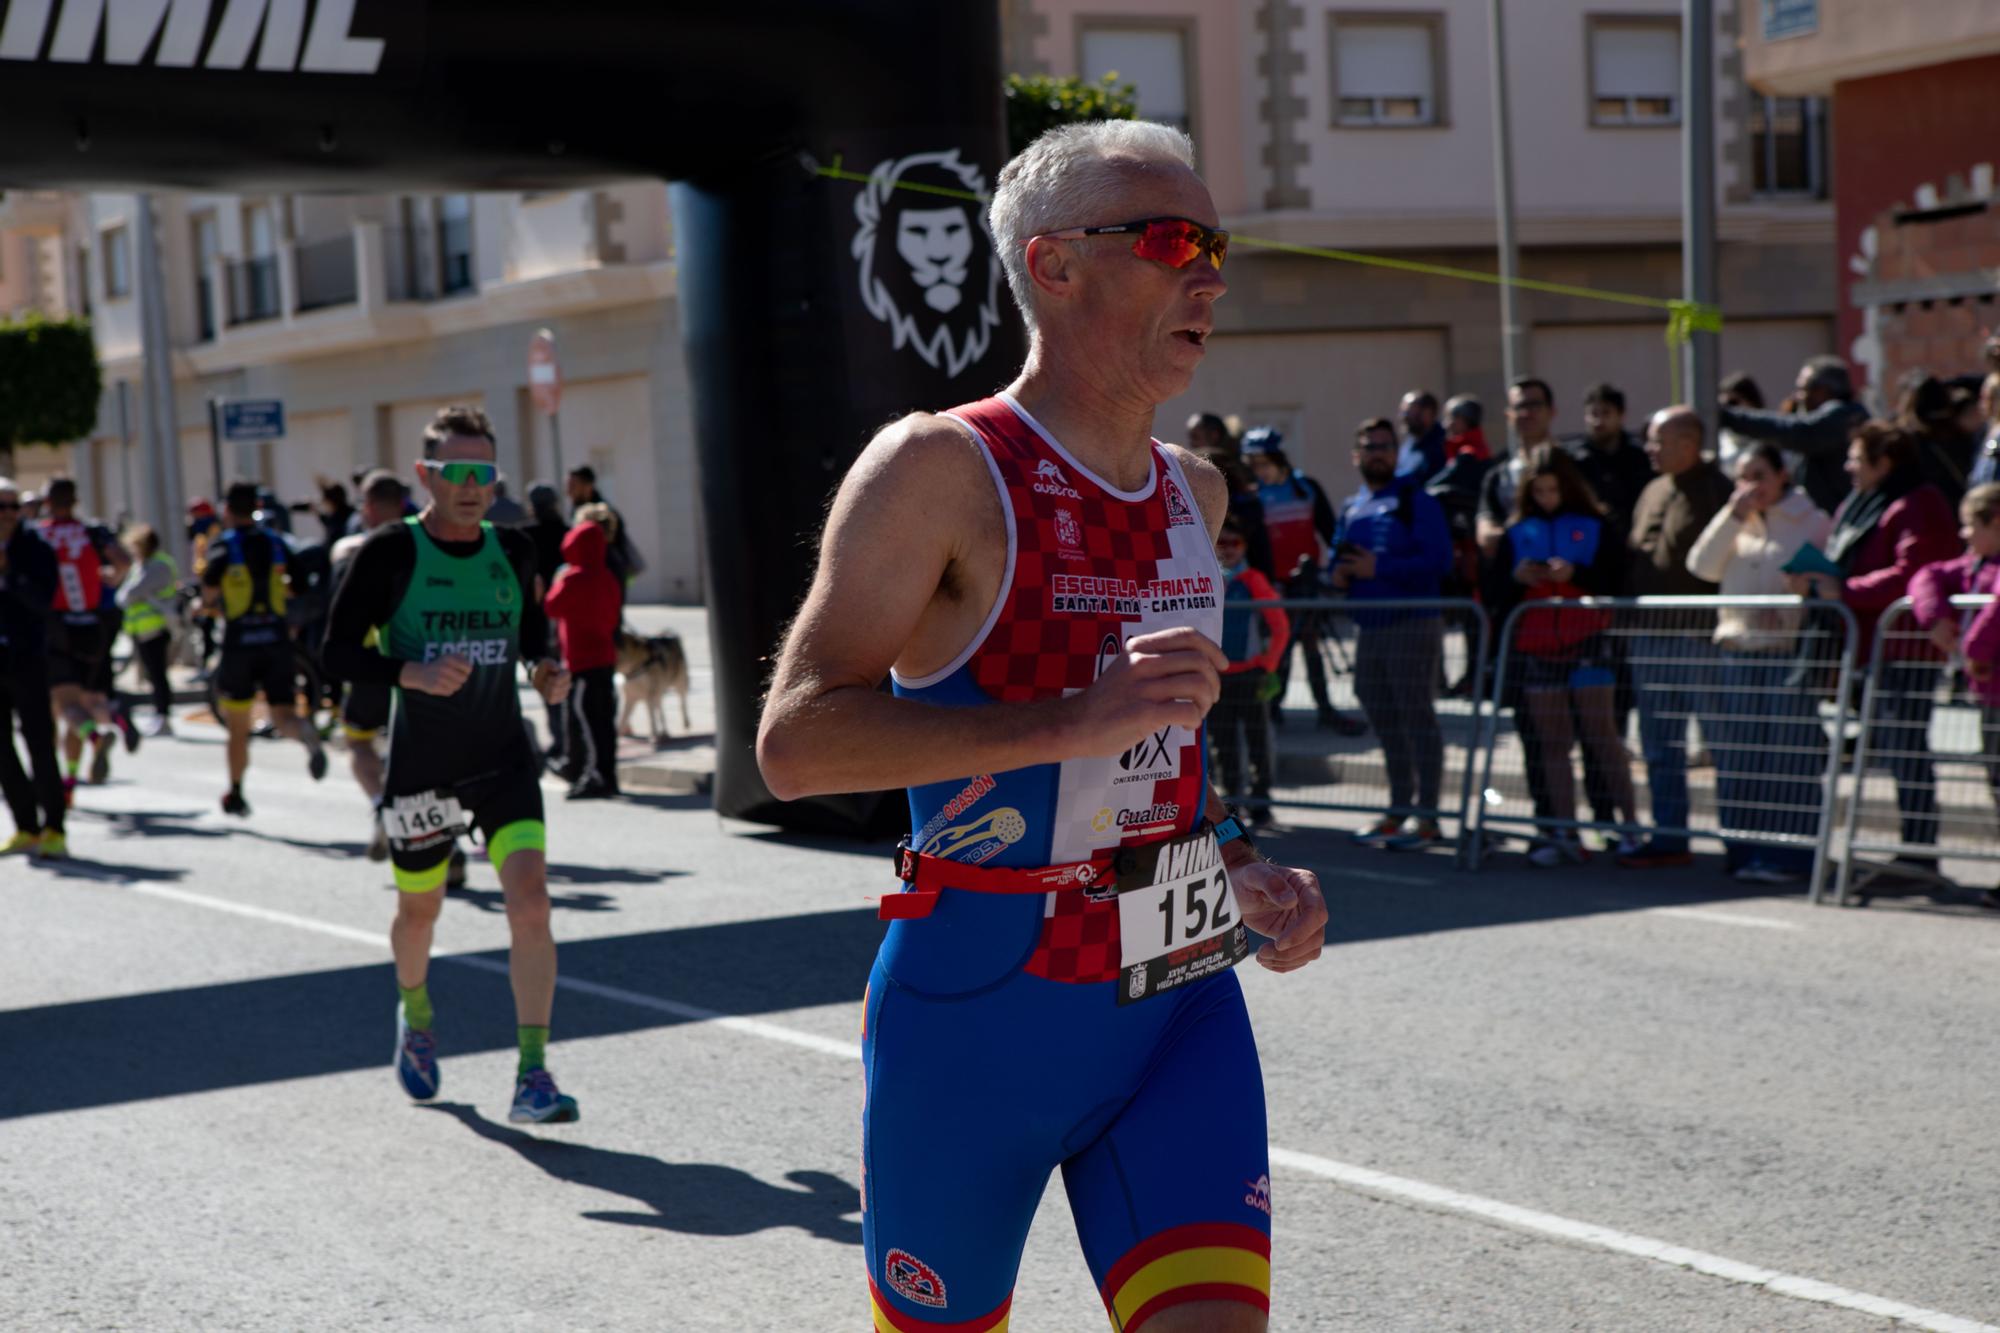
point(1830, 373)
point(1068, 178)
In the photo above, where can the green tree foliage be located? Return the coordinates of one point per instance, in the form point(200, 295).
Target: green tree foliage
point(1036, 102)
point(50, 381)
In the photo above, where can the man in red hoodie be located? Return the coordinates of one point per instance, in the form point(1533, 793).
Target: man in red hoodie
point(585, 603)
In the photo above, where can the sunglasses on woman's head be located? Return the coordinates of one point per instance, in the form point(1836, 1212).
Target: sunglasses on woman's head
point(464, 473)
point(1174, 242)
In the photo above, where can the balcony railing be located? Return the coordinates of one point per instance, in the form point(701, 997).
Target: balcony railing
point(455, 254)
point(204, 307)
point(410, 276)
point(326, 273)
point(253, 290)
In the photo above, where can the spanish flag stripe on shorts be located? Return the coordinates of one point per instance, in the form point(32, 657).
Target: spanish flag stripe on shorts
point(1218, 1256)
point(887, 1320)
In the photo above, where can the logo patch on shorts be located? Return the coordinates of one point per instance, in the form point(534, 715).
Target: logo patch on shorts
point(1259, 1196)
point(913, 1279)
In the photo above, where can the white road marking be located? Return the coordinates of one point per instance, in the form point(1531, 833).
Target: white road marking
point(1377, 1183)
point(1723, 918)
point(379, 941)
point(1619, 1242)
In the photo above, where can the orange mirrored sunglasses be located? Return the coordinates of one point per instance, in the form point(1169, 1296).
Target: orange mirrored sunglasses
point(1174, 242)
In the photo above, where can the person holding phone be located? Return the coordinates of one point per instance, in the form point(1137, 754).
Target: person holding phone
point(1761, 732)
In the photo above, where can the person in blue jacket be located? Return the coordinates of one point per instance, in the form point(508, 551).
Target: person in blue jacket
point(1557, 548)
point(1393, 544)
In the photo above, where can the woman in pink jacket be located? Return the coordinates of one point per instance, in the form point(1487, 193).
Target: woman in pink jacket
point(1975, 636)
point(1893, 525)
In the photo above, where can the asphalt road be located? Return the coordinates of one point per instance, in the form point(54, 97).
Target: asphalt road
point(199, 1128)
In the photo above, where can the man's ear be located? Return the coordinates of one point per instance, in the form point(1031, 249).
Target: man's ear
point(1051, 266)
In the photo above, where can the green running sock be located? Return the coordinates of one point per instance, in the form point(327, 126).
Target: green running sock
point(534, 1047)
point(417, 1007)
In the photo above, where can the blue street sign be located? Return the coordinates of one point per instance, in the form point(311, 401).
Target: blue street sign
point(252, 419)
point(1790, 18)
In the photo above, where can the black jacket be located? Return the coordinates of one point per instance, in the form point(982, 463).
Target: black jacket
point(27, 590)
point(1617, 475)
point(1819, 436)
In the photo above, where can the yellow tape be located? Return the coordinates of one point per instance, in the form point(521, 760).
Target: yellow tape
point(1684, 318)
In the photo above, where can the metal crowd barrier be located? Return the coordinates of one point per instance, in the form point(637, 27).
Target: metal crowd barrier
point(1926, 774)
point(1386, 663)
point(1770, 721)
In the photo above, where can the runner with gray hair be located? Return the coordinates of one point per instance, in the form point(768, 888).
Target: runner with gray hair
point(1075, 171)
point(1037, 577)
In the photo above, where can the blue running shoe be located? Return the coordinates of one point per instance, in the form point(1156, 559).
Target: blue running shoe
point(416, 1060)
point(537, 1101)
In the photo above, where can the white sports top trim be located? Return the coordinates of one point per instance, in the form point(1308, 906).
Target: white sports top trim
point(1144, 492)
point(964, 654)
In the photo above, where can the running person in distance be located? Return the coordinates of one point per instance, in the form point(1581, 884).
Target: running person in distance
point(1037, 577)
point(364, 704)
point(452, 601)
point(245, 580)
point(89, 563)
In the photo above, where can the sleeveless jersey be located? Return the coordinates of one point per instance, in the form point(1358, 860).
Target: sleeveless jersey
point(1088, 567)
point(79, 576)
point(1288, 517)
point(253, 587)
point(468, 606)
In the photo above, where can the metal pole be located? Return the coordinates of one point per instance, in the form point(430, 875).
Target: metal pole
point(1512, 354)
point(1698, 197)
point(215, 446)
point(125, 447)
point(555, 446)
point(162, 433)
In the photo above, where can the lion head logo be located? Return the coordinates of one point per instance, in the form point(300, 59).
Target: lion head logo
point(928, 267)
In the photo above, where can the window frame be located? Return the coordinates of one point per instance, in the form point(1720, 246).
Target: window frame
point(1433, 21)
point(1597, 21)
point(115, 239)
point(1816, 112)
point(1186, 26)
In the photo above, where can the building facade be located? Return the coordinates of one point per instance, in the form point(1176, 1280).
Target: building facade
point(1912, 90)
point(1367, 127)
point(363, 315)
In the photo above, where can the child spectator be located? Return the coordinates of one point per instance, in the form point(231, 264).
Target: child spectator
point(1463, 431)
point(1978, 644)
point(1254, 652)
point(1559, 546)
point(585, 604)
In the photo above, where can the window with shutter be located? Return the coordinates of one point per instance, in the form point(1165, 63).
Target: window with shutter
point(1635, 72)
point(1385, 70)
point(1152, 60)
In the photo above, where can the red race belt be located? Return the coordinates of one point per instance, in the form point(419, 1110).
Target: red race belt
point(927, 876)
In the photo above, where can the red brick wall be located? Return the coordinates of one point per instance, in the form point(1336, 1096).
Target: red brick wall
point(1892, 134)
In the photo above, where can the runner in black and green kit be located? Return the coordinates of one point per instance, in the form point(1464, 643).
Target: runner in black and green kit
point(451, 599)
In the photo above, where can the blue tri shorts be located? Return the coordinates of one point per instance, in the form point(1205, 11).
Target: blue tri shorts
point(983, 1078)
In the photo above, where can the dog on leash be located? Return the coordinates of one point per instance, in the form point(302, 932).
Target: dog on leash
point(651, 667)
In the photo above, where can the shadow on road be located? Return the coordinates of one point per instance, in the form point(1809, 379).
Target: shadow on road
point(152, 823)
point(303, 1025)
point(108, 872)
point(1375, 895)
point(494, 901)
point(697, 1198)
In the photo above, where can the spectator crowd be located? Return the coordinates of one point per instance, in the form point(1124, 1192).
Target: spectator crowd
point(1814, 500)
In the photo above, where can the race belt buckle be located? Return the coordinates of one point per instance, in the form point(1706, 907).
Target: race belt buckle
point(1179, 923)
point(422, 820)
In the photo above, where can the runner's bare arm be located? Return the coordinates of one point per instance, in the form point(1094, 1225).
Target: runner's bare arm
point(898, 544)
